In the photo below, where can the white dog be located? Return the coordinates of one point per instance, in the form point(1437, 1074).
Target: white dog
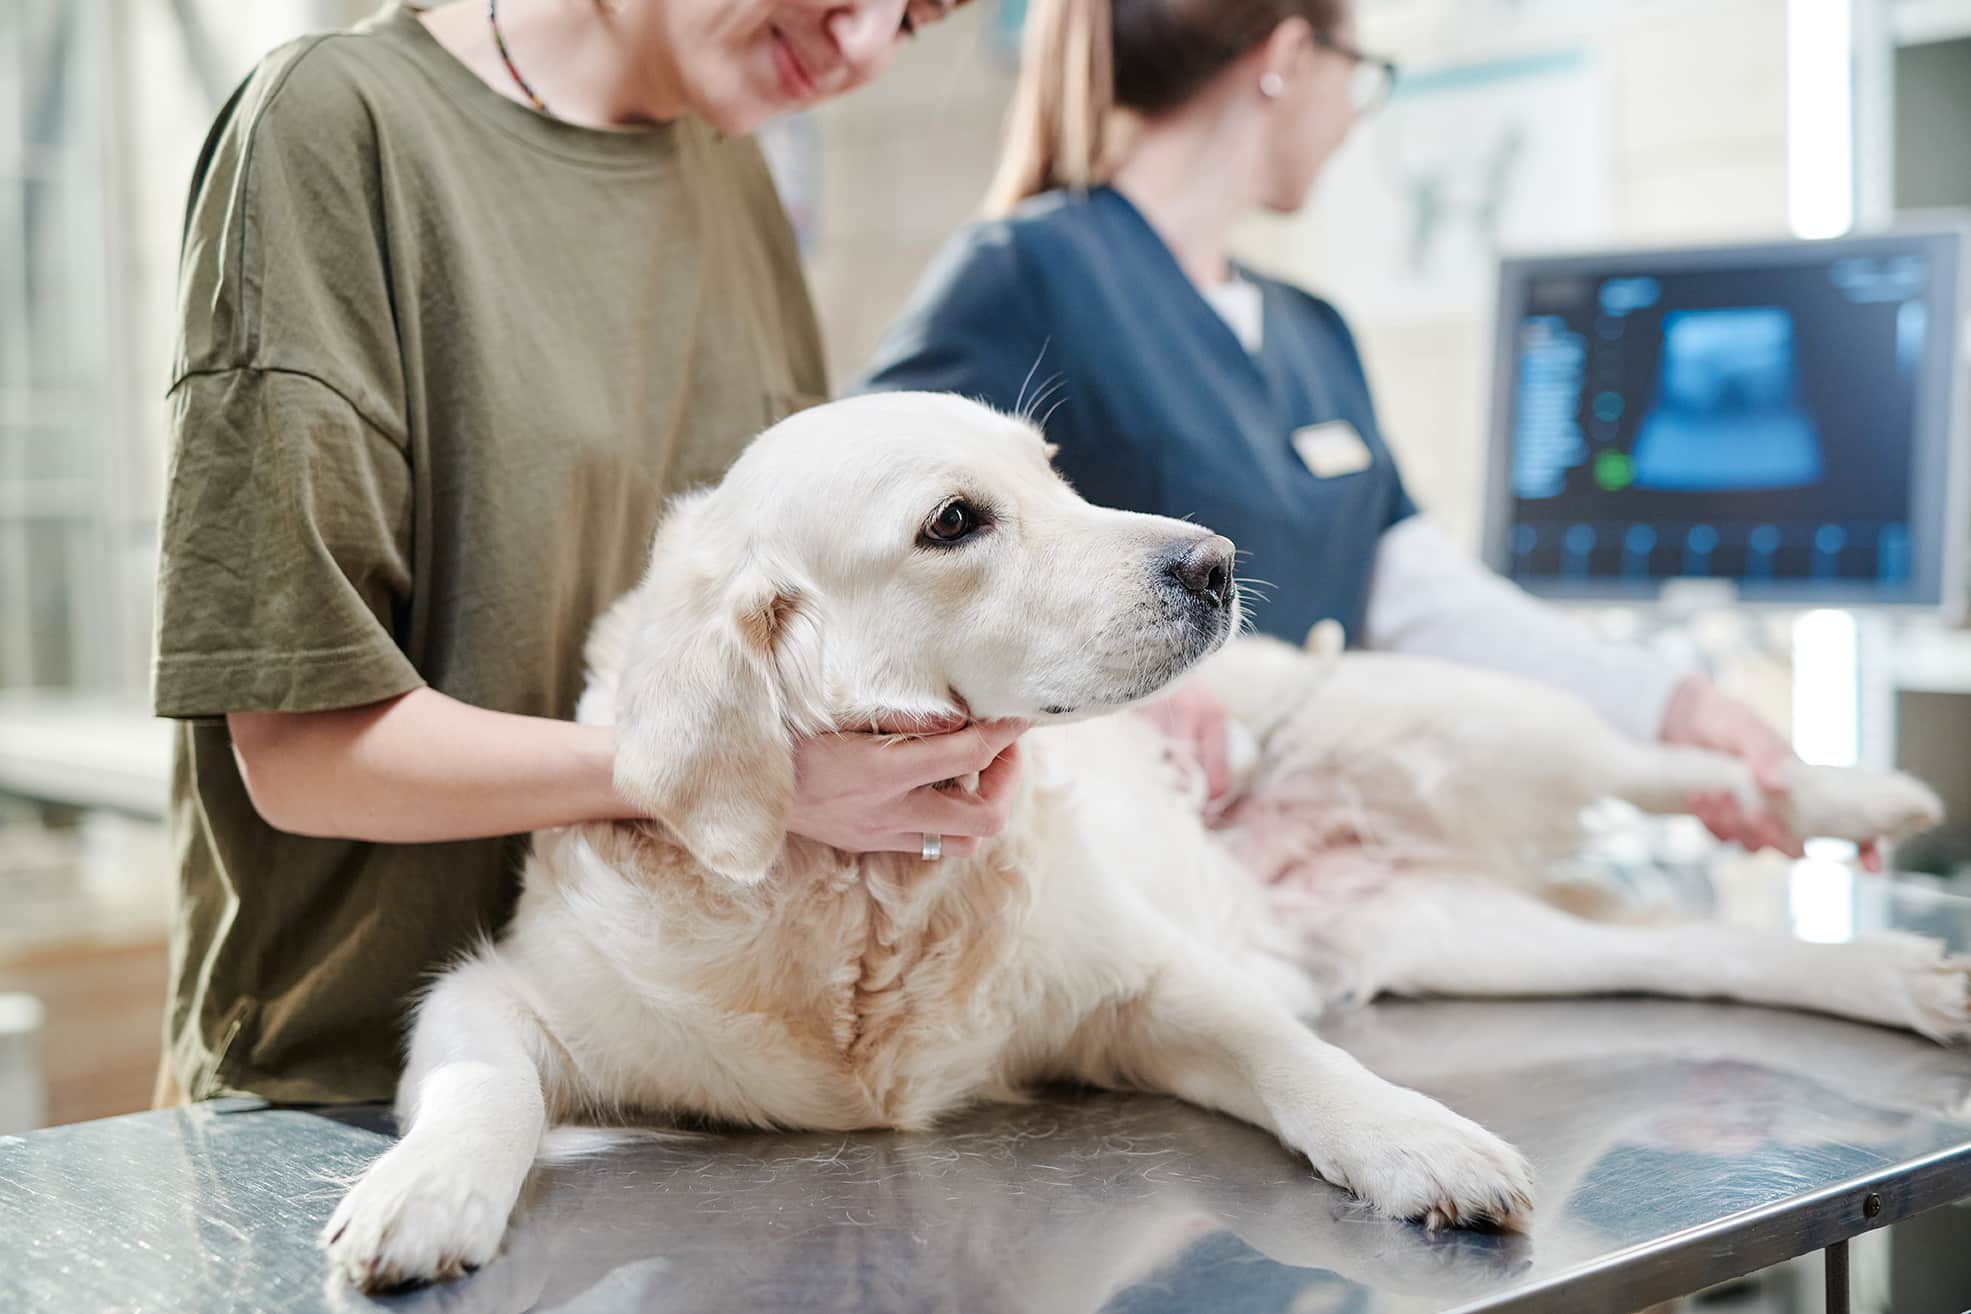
point(910, 554)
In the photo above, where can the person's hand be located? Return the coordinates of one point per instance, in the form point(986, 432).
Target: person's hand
point(1701, 715)
point(1191, 719)
point(876, 793)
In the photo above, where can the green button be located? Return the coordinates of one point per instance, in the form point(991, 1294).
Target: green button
point(1612, 470)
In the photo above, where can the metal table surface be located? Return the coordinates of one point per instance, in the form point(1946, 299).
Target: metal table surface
point(1676, 1145)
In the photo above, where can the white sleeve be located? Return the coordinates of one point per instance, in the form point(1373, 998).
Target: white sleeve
point(1430, 598)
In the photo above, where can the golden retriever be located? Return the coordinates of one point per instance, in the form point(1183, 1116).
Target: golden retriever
point(908, 555)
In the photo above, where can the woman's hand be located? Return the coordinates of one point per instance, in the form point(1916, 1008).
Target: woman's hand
point(1701, 715)
point(875, 793)
point(1192, 720)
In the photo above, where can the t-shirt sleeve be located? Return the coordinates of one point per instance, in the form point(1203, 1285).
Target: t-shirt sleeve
point(284, 565)
point(284, 571)
point(972, 327)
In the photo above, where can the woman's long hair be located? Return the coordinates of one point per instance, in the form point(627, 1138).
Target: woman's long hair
point(1082, 60)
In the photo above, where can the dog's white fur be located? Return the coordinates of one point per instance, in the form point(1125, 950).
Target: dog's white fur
point(1397, 819)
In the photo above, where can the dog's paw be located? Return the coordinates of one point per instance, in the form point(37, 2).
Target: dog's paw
point(1936, 986)
point(415, 1218)
point(1859, 805)
point(1412, 1158)
point(1895, 979)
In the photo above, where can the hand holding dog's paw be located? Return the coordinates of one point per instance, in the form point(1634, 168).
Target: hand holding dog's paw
point(1412, 1158)
point(415, 1218)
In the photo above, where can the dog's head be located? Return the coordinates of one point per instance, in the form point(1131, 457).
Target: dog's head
point(898, 556)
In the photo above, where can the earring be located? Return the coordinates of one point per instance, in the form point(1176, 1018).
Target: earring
point(1271, 85)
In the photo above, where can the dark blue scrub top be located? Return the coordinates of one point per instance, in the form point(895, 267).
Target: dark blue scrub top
point(1162, 409)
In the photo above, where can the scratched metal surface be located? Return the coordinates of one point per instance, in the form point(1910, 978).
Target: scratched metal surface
point(1676, 1145)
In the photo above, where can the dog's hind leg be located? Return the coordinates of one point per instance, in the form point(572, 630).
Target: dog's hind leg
point(1205, 1034)
point(473, 1113)
point(1426, 937)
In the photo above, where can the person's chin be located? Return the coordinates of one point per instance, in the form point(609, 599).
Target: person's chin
point(1289, 200)
point(741, 113)
point(740, 106)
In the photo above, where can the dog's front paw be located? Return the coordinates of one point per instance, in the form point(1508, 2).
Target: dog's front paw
point(1853, 804)
point(1412, 1158)
point(415, 1217)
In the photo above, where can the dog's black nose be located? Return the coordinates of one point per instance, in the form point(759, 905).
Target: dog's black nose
point(1204, 569)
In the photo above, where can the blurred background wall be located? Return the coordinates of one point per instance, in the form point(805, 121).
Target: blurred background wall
point(103, 107)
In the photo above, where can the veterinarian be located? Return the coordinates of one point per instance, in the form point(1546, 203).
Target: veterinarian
point(1099, 295)
point(467, 293)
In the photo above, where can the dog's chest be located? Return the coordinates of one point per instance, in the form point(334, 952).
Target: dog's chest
point(899, 979)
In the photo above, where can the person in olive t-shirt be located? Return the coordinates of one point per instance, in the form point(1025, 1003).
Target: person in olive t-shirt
point(463, 302)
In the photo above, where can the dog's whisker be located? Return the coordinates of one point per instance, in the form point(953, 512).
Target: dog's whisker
point(1058, 404)
point(1039, 397)
point(1055, 390)
point(1019, 408)
point(1049, 389)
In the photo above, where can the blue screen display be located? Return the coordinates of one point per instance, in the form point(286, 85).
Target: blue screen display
point(1736, 423)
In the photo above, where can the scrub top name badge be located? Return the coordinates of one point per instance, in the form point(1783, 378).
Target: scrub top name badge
point(1332, 449)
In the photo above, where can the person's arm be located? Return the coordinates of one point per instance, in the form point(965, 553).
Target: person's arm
point(422, 767)
point(1431, 598)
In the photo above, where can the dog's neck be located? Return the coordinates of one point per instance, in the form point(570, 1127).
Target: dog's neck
point(934, 716)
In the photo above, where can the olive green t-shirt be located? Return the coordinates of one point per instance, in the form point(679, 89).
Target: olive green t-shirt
point(443, 360)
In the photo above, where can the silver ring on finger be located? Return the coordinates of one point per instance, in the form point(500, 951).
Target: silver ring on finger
point(933, 848)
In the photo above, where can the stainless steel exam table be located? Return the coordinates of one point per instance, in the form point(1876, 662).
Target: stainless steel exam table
point(1677, 1145)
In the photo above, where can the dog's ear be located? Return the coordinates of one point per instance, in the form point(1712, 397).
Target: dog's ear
point(721, 669)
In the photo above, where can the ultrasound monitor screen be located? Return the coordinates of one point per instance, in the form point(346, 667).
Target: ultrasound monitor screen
point(1775, 416)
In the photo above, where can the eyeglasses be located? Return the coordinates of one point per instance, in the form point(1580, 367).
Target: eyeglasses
point(1371, 80)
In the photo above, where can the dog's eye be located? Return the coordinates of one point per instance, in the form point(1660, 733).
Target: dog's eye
point(954, 521)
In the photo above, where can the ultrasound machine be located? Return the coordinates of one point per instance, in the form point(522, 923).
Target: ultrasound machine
point(1713, 433)
point(1779, 424)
